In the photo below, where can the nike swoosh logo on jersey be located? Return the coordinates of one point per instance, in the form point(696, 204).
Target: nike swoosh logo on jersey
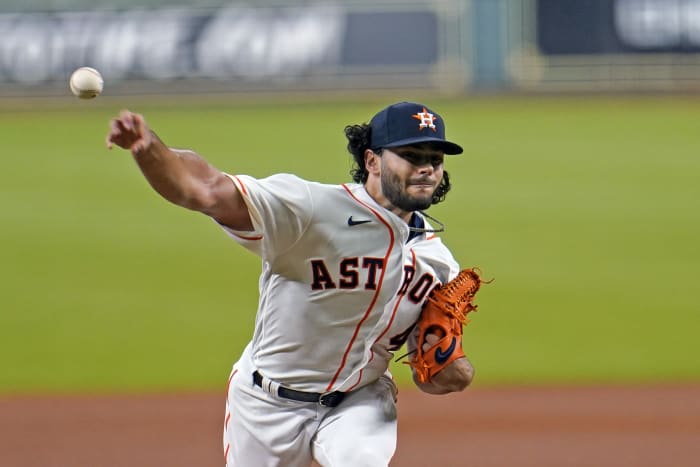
point(352, 221)
point(442, 356)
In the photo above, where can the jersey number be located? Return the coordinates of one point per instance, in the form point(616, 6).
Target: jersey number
point(395, 342)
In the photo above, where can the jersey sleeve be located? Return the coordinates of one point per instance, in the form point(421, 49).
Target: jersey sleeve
point(442, 261)
point(453, 269)
point(280, 208)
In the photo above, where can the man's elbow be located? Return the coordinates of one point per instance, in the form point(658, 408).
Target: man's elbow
point(465, 376)
point(461, 375)
point(456, 377)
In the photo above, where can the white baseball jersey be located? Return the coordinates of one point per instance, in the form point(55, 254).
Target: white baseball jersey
point(341, 287)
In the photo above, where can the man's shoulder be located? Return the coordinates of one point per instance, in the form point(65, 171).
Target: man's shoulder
point(292, 179)
point(283, 178)
point(431, 242)
point(432, 250)
point(282, 182)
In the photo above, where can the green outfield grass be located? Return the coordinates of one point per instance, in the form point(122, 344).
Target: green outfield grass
point(585, 211)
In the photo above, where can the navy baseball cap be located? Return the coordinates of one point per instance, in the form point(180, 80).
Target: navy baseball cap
point(407, 123)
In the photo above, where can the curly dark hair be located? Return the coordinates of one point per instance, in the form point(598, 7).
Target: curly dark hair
point(359, 140)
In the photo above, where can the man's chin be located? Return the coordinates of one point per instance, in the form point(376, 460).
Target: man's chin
point(419, 203)
point(423, 197)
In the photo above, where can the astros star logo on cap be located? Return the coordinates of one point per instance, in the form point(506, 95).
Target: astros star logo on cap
point(427, 120)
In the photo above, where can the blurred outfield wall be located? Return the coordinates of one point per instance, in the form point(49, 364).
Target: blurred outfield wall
point(450, 46)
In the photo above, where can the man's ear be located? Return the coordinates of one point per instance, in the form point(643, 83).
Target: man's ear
point(372, 162)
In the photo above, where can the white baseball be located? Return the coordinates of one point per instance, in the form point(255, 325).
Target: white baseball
point(86, 82)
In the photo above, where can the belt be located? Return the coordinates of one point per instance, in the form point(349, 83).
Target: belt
point(327, 399)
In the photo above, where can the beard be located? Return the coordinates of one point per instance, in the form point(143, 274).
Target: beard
point(395, 191)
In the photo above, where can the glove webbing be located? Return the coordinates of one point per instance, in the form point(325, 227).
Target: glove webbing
point(454, 299)
point(456, 307)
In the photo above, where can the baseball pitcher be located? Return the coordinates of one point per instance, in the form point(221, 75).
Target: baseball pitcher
point(350, 273)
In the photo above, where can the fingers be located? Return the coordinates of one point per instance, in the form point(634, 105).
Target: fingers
point(430, 341)
point(115, 131)
point(145, 136)
point(127, 131)
point(128, 119)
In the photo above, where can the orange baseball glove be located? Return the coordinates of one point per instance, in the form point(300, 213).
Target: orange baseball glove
point(444, 314)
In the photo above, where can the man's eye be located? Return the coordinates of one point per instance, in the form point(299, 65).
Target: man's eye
point(420, 159)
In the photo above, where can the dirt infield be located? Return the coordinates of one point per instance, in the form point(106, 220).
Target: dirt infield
point(599, 426)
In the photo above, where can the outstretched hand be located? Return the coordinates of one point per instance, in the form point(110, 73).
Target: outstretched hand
point(129, 131)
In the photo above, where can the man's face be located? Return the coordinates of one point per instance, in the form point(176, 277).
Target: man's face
point(410, 175)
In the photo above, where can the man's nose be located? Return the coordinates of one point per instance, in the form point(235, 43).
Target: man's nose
point(425, 168)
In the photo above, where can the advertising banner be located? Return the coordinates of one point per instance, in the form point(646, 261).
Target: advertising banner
point(618, 26)
point(230, 43)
